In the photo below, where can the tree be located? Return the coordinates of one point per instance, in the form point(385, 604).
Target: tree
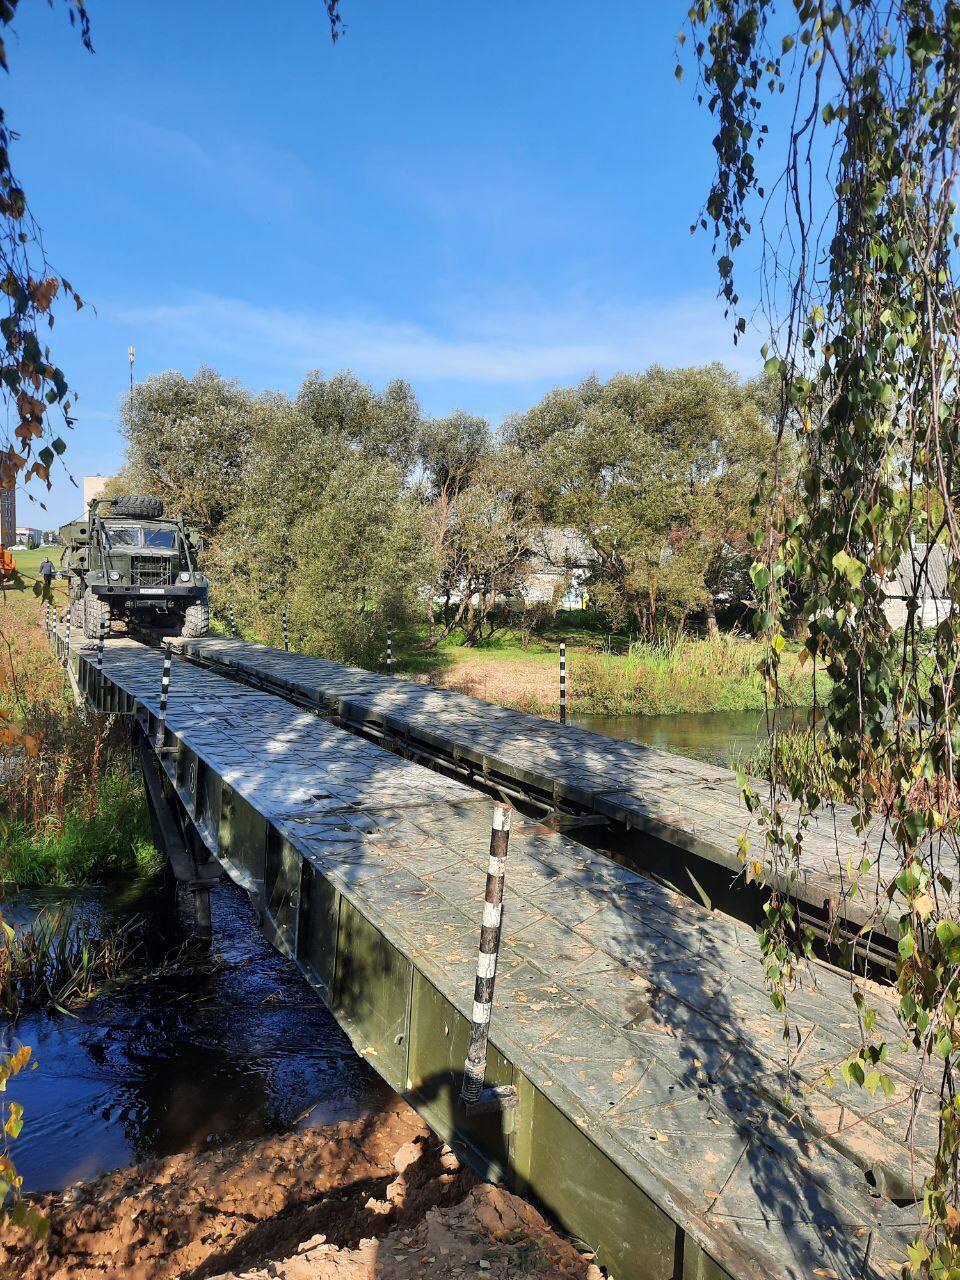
point(189, 442)
point(31, 384)
point(330, 463)
point(451, 450)
point(655, 471)
point(383, 426)
point(361, 560)
point(860, 289)
point(482, 538)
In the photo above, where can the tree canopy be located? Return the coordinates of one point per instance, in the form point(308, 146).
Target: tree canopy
point(655, 471)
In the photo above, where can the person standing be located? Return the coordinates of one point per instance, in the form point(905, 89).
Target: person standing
point(47, 571)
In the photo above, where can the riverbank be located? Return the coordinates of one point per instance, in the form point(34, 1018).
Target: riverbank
point(687, 675)
point(72, 810)
point(380, 1196)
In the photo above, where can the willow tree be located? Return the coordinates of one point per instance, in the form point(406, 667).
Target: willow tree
point(857, 226)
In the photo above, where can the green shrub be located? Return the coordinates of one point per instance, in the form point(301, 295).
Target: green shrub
point(77, 846)
point(680, 675)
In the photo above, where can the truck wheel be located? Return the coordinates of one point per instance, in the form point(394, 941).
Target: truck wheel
point(76, 615)
point(93, 610)
point(137, 504)
point(196, 620)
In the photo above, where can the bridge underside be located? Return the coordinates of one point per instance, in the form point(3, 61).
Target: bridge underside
point(656, 1117)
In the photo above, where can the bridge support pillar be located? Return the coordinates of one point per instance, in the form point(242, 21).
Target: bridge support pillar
point(194, 870)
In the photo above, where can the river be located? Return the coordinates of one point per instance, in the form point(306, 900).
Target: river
point(716, 737)
point(233, 1045)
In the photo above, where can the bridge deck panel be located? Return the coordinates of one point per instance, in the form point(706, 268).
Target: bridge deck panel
point(689, 805)
point(638, 1014)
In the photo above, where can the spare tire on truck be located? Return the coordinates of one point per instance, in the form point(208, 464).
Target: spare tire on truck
point(137, 504)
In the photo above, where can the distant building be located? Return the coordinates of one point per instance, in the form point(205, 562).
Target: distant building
point(27, 537)
point(93, 487)
point(921, 575)
point(8, 517)
point(560, 563)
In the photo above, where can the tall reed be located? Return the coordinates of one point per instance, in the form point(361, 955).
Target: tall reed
point(71, 808)
point(678, 674)
point(61, 960)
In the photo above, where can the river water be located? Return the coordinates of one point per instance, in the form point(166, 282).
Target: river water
point(234, 1044)
point(716, 737)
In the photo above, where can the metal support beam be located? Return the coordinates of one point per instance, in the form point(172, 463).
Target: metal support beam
point(192, 867)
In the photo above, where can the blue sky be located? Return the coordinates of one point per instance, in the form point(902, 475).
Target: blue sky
point(487, 199)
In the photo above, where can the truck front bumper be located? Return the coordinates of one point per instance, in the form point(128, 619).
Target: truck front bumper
point(181, 593)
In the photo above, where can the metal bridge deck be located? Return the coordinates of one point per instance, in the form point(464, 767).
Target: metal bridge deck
point(692, 807)
point(656, 1115)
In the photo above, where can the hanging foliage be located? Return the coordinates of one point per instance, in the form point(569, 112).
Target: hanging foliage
point(857, 221)
point(31, 383)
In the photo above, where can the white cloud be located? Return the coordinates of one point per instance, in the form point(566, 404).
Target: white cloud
point(227, 168)
point(494, 344)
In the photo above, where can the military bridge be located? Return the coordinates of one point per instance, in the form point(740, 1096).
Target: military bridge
point(659, 1114)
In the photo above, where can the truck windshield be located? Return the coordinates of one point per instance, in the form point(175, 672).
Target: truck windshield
point(123, 535)
point(133, 535)
point(160, 538)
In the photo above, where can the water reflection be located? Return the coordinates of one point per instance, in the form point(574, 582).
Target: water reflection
point(236, 1046)
point(716, 737)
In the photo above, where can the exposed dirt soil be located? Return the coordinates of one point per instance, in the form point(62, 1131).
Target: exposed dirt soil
point(507, 682)
point(489, 1234)
point(380, 1197)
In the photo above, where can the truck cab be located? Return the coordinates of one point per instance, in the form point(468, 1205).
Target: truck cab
point(127, 562)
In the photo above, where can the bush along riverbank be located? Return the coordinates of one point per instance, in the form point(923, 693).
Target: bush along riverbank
point(72, 809)
point(683, 675)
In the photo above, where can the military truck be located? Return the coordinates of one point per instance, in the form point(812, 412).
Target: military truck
point(126, 562)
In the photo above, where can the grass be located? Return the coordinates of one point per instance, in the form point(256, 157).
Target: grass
point(608, 672)
point(681, 674)
point(71, 809)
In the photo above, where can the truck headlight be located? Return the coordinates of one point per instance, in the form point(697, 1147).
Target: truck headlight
point(114, 576)
point(184, 577)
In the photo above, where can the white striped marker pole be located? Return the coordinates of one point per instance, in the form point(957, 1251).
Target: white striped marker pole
point(46, 620)
point(164, 691)
point(389, 651)
point(100, 633)
point(56, 631)
point(563, 682)
point(233, 621)
point(286, 631)
point(475, 1066)
point(66, 660)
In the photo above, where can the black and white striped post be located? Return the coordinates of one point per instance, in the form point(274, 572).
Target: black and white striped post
point(563, 682)
point(389, 651)
point(46, 618)
point(56, 632)
point(233, 621)
point(476, 1064)
point(286, 632)
point(164, 692)
point(101, 631)
point(66, 639)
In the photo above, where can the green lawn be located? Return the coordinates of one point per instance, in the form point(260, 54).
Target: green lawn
point(28, 564)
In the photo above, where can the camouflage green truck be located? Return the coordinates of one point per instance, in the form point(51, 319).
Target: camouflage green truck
point(126, 562)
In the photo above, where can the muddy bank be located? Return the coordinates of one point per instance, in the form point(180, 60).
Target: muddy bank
point(373, 1197)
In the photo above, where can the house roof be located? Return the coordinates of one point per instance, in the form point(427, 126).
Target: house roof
point(921, 572)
